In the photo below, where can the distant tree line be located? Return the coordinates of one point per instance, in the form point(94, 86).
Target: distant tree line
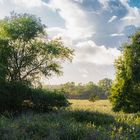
point(72, 90)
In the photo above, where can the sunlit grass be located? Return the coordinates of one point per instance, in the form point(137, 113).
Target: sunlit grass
point(105, 107)
point(83, 120)
point(99, 105)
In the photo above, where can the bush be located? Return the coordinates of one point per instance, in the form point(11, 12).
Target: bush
point(93, 98)
point(12, 95)
point(17, 97)
point(44, 100)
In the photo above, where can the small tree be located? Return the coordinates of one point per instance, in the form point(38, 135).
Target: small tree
point(105, 84)
point(126, 87)
point(25, 52)
point(93, 97)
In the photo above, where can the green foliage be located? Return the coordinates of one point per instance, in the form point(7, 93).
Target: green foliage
point(26, 53)
point(71, 125)
point(105, 84)
point(126, 87)
point(12, 95)
point(21, 26)
point(92, 117)
point(93, 97)
point(44, 100)
point(83, 91)
point(18, 97)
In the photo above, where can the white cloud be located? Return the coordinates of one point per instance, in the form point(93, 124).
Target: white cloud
point(82, 28)
point(104, 3)
point(23, 3)
point(89, 52)
point(84, 72)
point(117, 34)
point(1, 1)
point(129, 18)
point(133, 15)
point(112, 19)
point(56, 32)
point(79, 1)
point(76, 20)
point(84, 75)
point(21, 6)
point(95, 73)
point(94, 61)
point(28, 3)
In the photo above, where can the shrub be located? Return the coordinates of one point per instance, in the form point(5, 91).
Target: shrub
point(93, 98)
point(44, 100)
point(12, 95)
point(17, 97)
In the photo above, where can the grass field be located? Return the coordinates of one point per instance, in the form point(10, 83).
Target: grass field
point(83, 120)
point(101, 105)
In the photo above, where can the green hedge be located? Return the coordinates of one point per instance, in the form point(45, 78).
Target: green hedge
point(44, 100)
point(18, 97)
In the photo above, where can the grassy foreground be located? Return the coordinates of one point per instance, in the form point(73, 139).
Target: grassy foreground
point(83, 120)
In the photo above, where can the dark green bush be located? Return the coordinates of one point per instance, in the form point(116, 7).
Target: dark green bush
point(93, 97)
point(44, 100)
point(17, 97)
point(12, 95)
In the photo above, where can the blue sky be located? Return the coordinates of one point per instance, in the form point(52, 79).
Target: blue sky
point(135, 3)
point(94, 28)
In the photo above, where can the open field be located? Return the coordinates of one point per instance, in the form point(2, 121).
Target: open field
point(101, 105)
point(83, 120)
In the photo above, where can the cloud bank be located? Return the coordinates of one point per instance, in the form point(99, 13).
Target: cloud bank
point(94, 28)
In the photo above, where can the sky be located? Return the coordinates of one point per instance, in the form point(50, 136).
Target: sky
point(95, 29)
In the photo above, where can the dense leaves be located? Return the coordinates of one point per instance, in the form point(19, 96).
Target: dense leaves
point(84, 91)
point(105, 84)
point(126, 87)
point(25, 51)
point(26, 54)
point(17, 97)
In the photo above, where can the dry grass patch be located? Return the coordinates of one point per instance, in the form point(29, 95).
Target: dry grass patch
point(103, 106)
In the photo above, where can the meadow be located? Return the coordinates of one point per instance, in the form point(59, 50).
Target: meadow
point(83, 120)
point(29, 111)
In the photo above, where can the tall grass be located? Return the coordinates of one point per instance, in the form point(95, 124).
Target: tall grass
point(72, 124)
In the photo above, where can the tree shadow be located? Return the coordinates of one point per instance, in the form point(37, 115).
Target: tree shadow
point(104, 124)
point(91, 117)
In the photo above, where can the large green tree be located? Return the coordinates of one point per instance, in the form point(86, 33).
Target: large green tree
point(126, 87)
point(25, 51)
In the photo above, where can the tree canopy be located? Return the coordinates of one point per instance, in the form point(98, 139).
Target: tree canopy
point(126, 87)
point(105, 84)
point(26, 53)
point(74, 90)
